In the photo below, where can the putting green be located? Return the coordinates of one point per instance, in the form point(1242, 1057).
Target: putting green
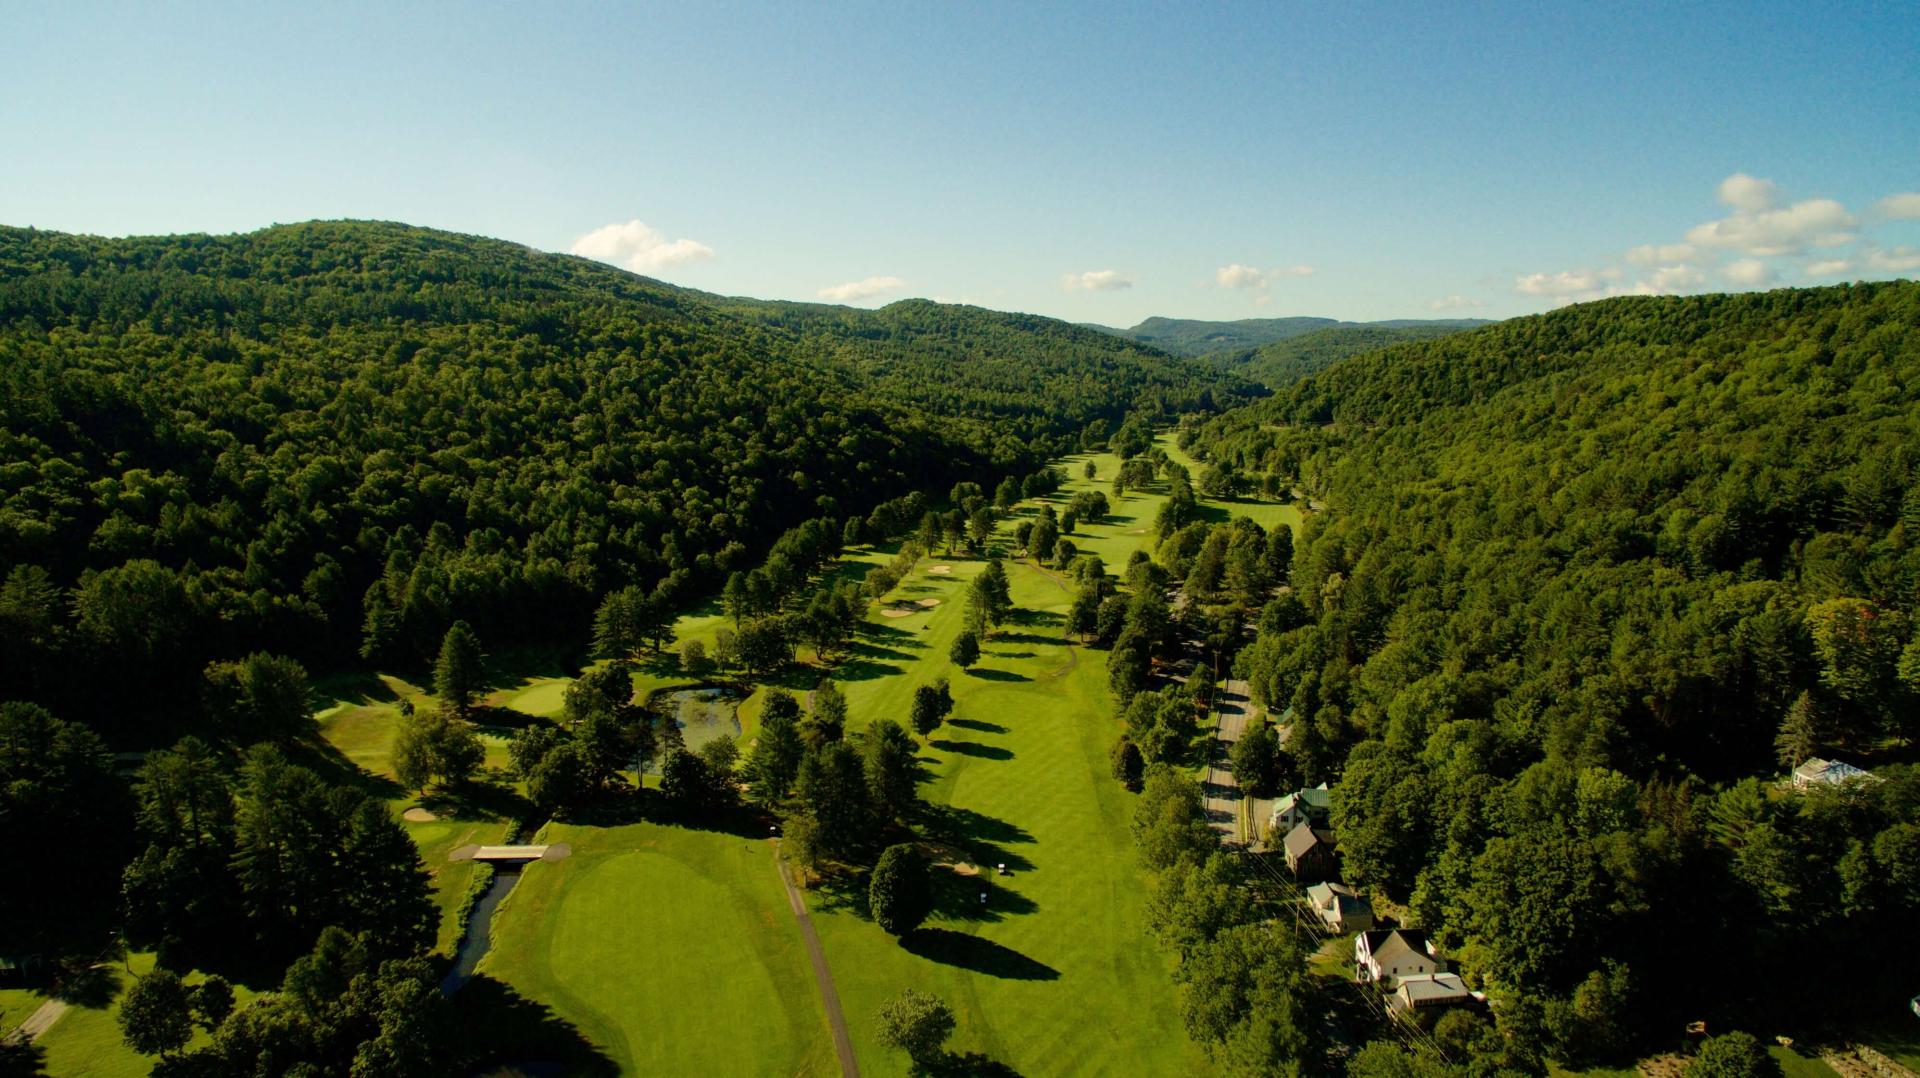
point(544, 697)
point(673, 950)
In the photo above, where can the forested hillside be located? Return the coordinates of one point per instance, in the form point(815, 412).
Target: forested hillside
point(336, 436)
point(1197, 337)
point(1586, 584)
point(1284, 362)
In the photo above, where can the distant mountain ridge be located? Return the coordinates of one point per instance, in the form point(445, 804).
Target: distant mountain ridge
point(1284, 362)
point(1197, 337)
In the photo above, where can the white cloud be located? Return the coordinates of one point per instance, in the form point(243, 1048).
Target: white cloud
point(1905, 205)
point(1455, 303)
point(1105, 280)
point(637, 247)
point(1831, 267)
point(1564, 283)
point(1653, 254)
point(865, 288)
point(1898, 260)
point(1239, 276)
point(1676, 278)
point(1748, 271)
point(1747, 193)
point(1817, 222)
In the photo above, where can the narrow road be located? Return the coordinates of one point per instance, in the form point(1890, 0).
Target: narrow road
point(829, 996)
point(1222, 789)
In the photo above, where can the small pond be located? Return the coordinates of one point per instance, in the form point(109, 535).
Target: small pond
point(700, 715)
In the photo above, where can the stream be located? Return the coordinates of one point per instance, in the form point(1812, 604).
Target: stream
point(473, 945)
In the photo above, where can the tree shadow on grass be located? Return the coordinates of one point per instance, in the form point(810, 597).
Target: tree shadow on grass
point(970, 952)
point(972, 748)
point(1027, 617)
point(977, 724)
point(478, 800)
point(322, 757)
point(360, 688)
point(79, 982)
point(956, 897)
point(987, 673)
point(21, 1059)
point(984, 838)
point(844, 892)
point(1024, 638)
point(509, 1033)
point(964, 1065)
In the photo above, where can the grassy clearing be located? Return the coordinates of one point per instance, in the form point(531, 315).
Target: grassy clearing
point(87, 1040)
point(672, 949)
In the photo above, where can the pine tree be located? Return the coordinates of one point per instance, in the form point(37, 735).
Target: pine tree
point(460, 674)
point(1799, 738)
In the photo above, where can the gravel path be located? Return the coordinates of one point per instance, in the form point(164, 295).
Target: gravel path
point(822, 976)
point(39, 1021)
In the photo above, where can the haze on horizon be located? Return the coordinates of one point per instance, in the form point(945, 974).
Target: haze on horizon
point(1094, 164)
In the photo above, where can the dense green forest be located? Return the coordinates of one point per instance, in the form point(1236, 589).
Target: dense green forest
point(1585, 586)
point(1284, 362)
point(1197, 337)
point(337, 437)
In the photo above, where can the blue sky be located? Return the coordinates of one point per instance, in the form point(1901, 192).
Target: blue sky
point(1096, 162)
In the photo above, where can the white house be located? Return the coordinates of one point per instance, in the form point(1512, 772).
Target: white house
point(1387, 955)
point(1308, 805)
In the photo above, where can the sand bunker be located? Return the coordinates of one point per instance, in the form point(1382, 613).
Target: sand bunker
point(928, 604)
point(418, 815)
point(964, 870)
point(1136, 531)
point(896, 612)
point(940, 570)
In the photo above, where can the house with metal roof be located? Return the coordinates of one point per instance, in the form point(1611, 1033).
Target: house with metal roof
point(1341, 907)
point(1431, 991)
point(1309, 852)
point(1306, 805)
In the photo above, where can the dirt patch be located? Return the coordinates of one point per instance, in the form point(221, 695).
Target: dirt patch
point(417, 814)
point(464, 853)
point(928, 604)
point(557, 851)
point(940, 570)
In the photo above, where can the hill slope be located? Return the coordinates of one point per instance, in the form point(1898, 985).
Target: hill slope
point(1576, 565)
point(1195, 337)
point(216, 444)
